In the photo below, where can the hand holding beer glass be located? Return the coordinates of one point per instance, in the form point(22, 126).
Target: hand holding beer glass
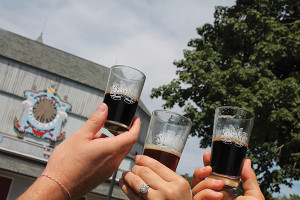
point(231, 134)
point(123, 90)
point(166, 137)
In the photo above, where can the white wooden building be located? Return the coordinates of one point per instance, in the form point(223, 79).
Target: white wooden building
point(25, 63)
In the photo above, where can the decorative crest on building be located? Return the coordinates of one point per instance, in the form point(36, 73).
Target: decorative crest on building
point(44, 114)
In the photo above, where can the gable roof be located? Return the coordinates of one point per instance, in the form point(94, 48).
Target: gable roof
point(44, 57)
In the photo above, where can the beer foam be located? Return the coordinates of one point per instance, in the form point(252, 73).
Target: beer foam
point(155, 147)
point(230, 141)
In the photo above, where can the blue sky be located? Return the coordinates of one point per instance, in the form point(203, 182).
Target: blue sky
point(148, 35)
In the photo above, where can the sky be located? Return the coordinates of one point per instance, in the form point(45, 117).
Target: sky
point(147, 35)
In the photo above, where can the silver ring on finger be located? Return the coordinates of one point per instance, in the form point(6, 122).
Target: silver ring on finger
point(143, 189)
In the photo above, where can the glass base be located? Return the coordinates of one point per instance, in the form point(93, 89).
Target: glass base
point(231, 182)
point(116, 128)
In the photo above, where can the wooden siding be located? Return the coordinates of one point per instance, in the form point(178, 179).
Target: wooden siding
point(15, 78)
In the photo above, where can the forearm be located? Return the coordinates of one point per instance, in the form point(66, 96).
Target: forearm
point(44, 188)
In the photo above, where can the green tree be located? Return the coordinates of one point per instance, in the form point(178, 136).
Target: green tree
point(249, 57)
point(292, 197)
point(187, 177)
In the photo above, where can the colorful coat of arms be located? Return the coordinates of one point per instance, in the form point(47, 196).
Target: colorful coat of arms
point(44, 115)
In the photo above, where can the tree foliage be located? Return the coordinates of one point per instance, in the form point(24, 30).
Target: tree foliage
point(187, 177)
point(249, 57)
point(292, 197)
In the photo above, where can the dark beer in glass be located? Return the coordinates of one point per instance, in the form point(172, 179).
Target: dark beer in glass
point(123, 90)
point(232, 130)
point(227, 158)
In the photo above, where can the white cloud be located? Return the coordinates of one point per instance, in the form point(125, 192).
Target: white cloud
point(148, 35)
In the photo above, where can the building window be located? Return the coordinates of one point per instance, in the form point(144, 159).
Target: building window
point(4, 187)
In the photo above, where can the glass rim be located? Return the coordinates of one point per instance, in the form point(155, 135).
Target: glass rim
point(128, 67)
point(171, 112)
point(237, 108)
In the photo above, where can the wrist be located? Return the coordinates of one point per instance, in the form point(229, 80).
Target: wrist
point(45, 188)
point(59, 183)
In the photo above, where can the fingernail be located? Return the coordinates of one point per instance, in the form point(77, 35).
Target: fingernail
point(204, 168)
point(136, 158)
point(217, 194)
point(217, 182)
point(134, 119)
point(101, 107)
point(249, 162)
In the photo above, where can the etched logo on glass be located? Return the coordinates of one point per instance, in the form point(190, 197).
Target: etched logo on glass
point(230, 134)
point(170, 140)
point(119, 90)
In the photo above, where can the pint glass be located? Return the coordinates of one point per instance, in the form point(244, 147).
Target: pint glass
point(166, 137)
point(231, 134)
point(123, 90)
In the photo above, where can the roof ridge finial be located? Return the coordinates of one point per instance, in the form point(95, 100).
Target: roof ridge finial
point(40, 38)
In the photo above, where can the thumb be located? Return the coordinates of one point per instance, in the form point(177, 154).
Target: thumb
point(249, 181)
point(95, 122)
point(126, 140)
point(206, 158)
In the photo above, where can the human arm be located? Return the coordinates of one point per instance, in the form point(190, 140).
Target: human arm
point(164, 183)
point(84, 160)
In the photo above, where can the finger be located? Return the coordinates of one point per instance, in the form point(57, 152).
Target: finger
point(127, 190)
point(135, 182)
point(160, 169)
point(249, 181)
point(119, 145)
point(208, 194)
point(149, 176)
point(247, 198)
point(200, 174)
point(95, 122)
point(127, 139)
point(208, 184)
point(206, 158)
